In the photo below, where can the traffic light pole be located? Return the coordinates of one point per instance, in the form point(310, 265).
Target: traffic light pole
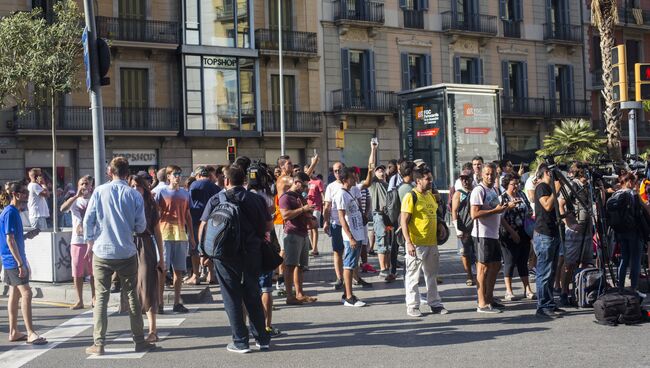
point(99, 152)
point(632, 106)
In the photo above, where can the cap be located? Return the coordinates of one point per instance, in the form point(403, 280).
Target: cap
point(382, 167)
point(356, 170)
point(466, 173)
point(144, 174)
point(419, 162)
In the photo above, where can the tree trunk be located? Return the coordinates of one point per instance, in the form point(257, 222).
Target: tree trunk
point(612, 113)
point(55, 207)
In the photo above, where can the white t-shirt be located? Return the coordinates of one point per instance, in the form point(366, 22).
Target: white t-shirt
point(36, 204)
point(488, 199)
point(331, 192)
point(530, 186)
point(347, 202)
point(78, 211)
point(459, 186)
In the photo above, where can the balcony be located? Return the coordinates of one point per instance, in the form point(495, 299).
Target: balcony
point(226, 14)
point(293, 42)
point(562, 33)
point(294, 122)
point(513, 107)
point(469, 23)
point(139, 30)
point(379, 102)
point(512, 28)
point(632, 17)
point(359, 12)
point(118, 120)
point(414, 19)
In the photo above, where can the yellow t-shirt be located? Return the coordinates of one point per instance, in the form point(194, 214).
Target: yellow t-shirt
point(423, 225)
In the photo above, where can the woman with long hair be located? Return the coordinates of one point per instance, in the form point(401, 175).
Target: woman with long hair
point(151, 264)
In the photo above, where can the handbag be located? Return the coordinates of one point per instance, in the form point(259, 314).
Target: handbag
point(271, 258)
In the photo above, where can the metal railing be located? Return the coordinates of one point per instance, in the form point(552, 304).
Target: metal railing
point(294, 121)
point(359, 10)
point(413, 18)
point(478, 23)
point(562, 32)
point(512, 28)
point(628, 18)
point(369, 101)
point(115, 118)
point(140, 30)
point(544, 107)
point(267, 39)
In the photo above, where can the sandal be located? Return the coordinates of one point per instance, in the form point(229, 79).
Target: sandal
point(153, 337)
point(38, 341)
point(77, 306)
point(21, 338)
point(469, 282)
point(294, 301)
point(308, 299)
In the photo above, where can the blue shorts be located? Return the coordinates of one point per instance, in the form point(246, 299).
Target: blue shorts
point(337, 238)
point(266, 282)
point(351, 256)
point(175, 254)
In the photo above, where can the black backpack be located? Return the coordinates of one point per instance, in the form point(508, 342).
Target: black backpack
point(465, 222)
point(621, 212)
point(393, 208)
point(618, 306)
point(223, 235)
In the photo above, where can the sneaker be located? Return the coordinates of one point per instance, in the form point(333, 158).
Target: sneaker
point(367, 268)
point(390, 278)
point(488, 310)
point(557, 291)
point(532, 272)
point(279, 285)
point(262, 347)
point(338, 284)
point(353, 302)
point(144, 346)
point(439, 310)
point(497, 305)
point(363, 283)
point(439, 280)
point(564, 301)
point(234, 349)
point(510, 297)
point(413, 312)
point(383, 273)
point(273, 332)
point(531, 296)
point(640, 294)
point(546, 314)
point(180, 308)
point(95, 350)
point(116, 288)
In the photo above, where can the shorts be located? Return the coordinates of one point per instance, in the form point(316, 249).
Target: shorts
point(572, 244)
point(487, 250)
point(81, 266)
point(279, 233)
point(318, 215)
point(266, 282)
point(337, 238)
point(467, 249)
point(380, 233)
point(11, 277)
point(38, 223)
point(351, 256)
point(175, 254)
point(296, 250)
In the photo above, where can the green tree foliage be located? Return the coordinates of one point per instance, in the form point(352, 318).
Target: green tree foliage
point(577, 139)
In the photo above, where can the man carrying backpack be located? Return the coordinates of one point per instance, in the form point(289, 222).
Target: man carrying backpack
point(239, 274)
point(462, 221)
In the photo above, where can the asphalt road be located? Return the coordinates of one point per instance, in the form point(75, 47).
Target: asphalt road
point(327, 334)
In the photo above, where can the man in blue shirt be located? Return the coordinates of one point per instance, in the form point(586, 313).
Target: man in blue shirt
point(115, 211)
point(14, 262)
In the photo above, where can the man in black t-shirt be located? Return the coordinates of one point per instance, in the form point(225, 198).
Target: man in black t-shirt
point(546, 242)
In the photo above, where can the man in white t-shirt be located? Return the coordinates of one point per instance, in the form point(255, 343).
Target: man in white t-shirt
point(37, 204)
point(331, 224)
point(486, 211)
point(354, 233)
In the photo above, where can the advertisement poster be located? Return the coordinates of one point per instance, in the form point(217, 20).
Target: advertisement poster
point(475, 120)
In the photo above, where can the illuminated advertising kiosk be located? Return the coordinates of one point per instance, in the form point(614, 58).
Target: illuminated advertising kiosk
point(447, 124)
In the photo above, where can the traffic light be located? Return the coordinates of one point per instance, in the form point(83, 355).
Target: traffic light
point(232, 150)
point(619, 73)
point(642, 81)
point(104, 57)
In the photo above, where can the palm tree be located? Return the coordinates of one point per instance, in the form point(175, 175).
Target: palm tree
point(604, 16)
point(577, 139)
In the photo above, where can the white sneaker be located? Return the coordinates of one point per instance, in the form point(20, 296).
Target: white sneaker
point(640, 294)
point(488, 309)
point(414, 312)
point(353, 302)
point(510, 297)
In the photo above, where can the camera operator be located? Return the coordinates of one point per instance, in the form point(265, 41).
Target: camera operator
point(546, 241)
point(578, 234)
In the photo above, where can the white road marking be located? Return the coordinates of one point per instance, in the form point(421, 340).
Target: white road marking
point(166, 322)
point(124, 353)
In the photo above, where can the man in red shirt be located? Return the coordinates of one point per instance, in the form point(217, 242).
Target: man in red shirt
point(315, 199)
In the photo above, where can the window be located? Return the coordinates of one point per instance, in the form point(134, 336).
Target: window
point(468, 70)
point(358, 77)
point(511, 12)
point(416, 71)
point(217, 23)
point(521, 145)
point(220, 93)
point(597, 54)
point(287, 14)
point(357, 73)
point(134, 90)
point(561, 88)
point(289, 101)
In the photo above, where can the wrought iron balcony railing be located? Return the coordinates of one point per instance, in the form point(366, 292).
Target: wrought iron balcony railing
point(294, 121)
point(477, 23)
point(562, 32)
point(364, 101)
point(512, 28)
point(267, 39)
point(544, 107)
point(413, 18)
point(359, 10)
point(138, 30)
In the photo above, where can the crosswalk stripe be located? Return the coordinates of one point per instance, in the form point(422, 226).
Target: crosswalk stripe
point(124, 353)
point(166, 322)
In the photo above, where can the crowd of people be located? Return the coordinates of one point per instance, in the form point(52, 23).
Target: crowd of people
point(131, 232)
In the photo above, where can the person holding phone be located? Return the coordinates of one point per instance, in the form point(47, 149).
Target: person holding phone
point(515, 242)
point(37, 203)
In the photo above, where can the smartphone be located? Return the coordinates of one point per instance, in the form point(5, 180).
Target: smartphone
point(315, 153)
point(374, 141)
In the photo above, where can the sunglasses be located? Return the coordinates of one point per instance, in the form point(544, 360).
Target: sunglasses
point(177, 174)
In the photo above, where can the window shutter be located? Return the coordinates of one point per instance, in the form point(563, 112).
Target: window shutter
point(502, 10)
point(524, 78)
point(549, 12)
point(346, 86)
point(402, 4)
point(551, 86)
point(370, 77)
point(427, 70)
point(570, 89)
point(457, 77)
point(423, 5)
point(519, 10)
point(565, 17)
point(505, 78)
point(406, 77)
point(479, 71)
point(454, 10)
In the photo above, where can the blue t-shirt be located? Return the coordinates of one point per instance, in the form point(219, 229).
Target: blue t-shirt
point(10, 223)
point(201, 191)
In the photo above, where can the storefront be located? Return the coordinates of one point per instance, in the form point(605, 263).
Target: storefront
point(65, 165)
point(139, 159)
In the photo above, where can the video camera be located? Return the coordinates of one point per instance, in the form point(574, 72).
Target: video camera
point(258, 175)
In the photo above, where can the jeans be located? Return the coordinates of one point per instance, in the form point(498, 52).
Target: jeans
point(427, 260)
point(380, 233)
point(239, 281)
point(547, 251)
point(394, 250)
point(127, 270)
point(630, 257)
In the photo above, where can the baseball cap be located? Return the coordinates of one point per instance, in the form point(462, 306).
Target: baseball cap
point(144, 174)
point(419, 162)
point(382, 167)
point(356, 170)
